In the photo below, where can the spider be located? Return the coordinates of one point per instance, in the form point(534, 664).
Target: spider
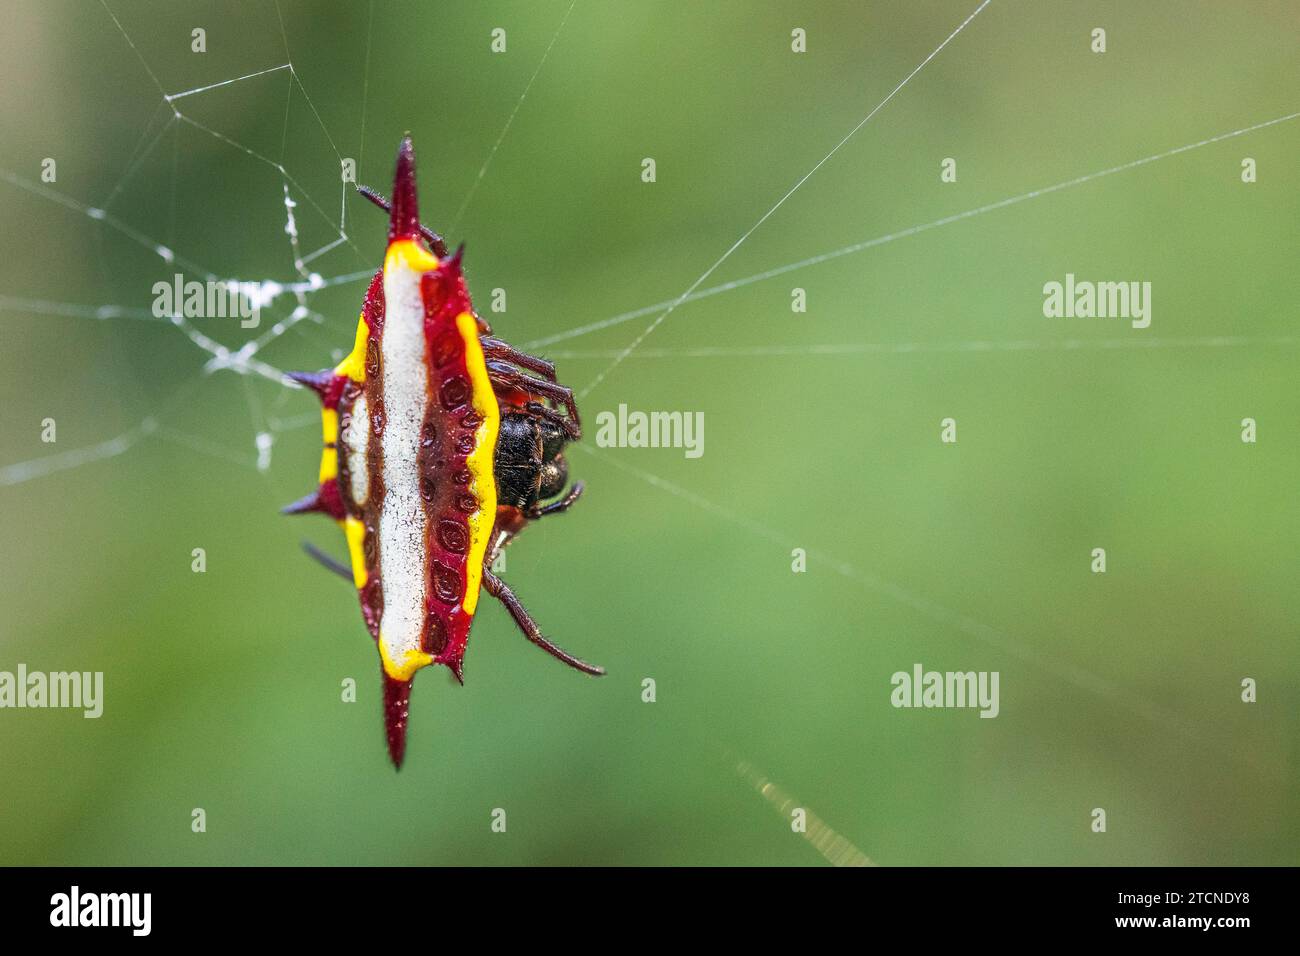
point(441, 444)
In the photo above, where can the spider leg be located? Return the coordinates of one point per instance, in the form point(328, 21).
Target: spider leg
point(436, 242)
point(495, 348)
point(499, 544)
point(498, 589)
point(509, 524)
point(561, 506)
point(538, 410)
point(505, 378)
point(502, 537)
point(338, 567)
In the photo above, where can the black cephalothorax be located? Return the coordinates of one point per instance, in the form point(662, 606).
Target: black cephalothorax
point(530, 465)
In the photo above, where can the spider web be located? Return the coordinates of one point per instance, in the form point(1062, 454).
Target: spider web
point(245, 359)
point(288, 301)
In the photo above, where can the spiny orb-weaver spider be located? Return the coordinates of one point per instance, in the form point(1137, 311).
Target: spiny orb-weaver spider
point(441, 444)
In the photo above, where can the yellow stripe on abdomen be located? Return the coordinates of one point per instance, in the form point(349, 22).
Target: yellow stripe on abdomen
point(480, 461)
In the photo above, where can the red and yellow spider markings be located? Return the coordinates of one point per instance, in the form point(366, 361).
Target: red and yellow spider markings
point(410, 422)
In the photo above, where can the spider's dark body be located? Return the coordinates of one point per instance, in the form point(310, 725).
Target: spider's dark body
point(530, 463)
point(441, 444)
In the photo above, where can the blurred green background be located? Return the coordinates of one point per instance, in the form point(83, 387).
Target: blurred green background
point(1118, 691)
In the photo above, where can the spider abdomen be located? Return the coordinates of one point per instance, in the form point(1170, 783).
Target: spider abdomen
point(411, 421)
